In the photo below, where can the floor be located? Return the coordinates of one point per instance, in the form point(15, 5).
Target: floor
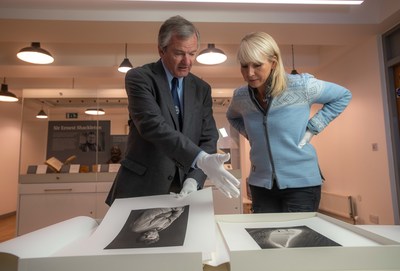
point(7, 227)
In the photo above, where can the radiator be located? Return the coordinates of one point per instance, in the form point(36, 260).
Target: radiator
point(338, 206)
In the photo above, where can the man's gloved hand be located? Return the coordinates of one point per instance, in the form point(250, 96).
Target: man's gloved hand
point(306, 138)
point(213, 166)
point(189, 186)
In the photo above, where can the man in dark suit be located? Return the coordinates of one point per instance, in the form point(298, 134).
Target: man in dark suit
point(171, 145)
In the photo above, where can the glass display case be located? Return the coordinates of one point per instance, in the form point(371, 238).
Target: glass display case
point(69, 160)
point(73, 137)
point(69, 136)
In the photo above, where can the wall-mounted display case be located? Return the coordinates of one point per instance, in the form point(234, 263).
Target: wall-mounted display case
point(68, 134)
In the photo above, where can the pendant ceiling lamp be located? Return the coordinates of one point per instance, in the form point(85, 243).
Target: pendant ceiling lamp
point(5, 95)
point(211, 55)
point(95, 111)
point(126, 64)
point(35, 54)
point(293, 70)
point(41, 114)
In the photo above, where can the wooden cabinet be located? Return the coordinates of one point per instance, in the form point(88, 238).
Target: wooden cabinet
point(222, 204)
point(46, 203)
point(102, 190)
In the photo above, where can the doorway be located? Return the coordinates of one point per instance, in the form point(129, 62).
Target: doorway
point(391, 54)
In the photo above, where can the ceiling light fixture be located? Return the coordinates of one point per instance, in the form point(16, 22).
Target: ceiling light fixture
point(303, 2)
point(126, 64)
point(95, 111)
point(5, 95)
point(211, 55)
point(293, 70)
point(34, 54)
point(41, 114)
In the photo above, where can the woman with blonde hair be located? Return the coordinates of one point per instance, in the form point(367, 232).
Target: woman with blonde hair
point(273, 112)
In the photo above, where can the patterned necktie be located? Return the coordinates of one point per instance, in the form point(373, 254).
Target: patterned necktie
point(174, 91)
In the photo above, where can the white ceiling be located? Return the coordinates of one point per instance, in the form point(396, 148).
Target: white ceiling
point(87, 37)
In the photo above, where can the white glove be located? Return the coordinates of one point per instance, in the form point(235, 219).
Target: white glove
point(306, 139)
point(189, 186)
point(213, 166)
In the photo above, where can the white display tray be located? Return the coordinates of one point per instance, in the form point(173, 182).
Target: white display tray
point(80, 243)
point(153, 262)
point(359, 249)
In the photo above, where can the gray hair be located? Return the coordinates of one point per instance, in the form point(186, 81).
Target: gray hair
point(179, 26)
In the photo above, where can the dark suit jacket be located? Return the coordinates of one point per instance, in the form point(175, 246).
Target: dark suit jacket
point(156, 147)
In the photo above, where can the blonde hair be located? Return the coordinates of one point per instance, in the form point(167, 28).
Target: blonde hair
point(258, 47)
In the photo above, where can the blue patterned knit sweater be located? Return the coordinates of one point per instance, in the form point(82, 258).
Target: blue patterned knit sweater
point(274, 135)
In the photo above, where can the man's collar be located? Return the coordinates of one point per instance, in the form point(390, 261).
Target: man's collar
point(169, 74)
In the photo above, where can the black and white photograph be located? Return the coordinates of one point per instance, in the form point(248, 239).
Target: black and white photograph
point(88, 141)
point(289, 237)
point(154, 227)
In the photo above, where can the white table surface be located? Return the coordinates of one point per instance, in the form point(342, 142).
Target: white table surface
point(388, 231)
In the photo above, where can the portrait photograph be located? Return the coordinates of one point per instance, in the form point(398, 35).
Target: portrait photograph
point(153, 227)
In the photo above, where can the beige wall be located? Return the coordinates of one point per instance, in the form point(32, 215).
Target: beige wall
point(9, 159)
point(348, 162)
